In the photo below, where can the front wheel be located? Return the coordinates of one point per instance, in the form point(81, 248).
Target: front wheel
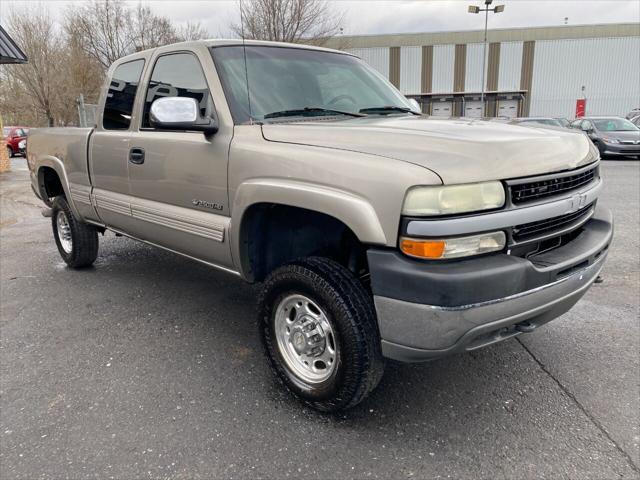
point(9, 152)
point(320, 333)
point(77, 242)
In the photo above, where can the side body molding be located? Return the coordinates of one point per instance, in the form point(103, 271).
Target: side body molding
point(352, 210)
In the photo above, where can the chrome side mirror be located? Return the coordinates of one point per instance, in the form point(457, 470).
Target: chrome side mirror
point(415, 105)
point(180, 113)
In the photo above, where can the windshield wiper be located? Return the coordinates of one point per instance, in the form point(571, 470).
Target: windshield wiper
point(308, 110)
point(388, 109)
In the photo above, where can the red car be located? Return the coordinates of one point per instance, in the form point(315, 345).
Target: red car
point(14, 137)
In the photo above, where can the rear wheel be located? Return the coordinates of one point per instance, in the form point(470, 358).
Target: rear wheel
point(320, 333)
point(77, 242)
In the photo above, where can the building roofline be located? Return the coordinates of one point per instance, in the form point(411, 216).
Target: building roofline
point(10, 52)
point(494, 35)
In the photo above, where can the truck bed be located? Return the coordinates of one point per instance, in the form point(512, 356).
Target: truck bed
point(65, 150)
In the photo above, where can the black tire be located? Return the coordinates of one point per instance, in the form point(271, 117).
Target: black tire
point(84, 238)
point(351, 313)
point(9, 151)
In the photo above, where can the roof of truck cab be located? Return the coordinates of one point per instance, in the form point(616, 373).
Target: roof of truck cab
point(264, 43)
point(212, 42)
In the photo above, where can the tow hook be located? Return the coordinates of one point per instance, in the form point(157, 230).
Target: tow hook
point(525, 327)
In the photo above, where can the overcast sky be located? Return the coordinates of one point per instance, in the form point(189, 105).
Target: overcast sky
point(392, 16)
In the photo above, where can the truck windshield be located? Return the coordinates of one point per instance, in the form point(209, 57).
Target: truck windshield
point(289, 82)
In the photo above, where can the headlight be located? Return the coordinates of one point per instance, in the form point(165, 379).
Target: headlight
point(610, 140)
point(22, 144)
point(442, 249)
point(451, 199)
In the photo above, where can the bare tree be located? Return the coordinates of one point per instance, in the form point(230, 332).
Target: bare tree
point(103, 28)
point(41, 78)
point(148, 30)
point(297, 21)
point(192, 31)
point(109, 29)
point(69, 61)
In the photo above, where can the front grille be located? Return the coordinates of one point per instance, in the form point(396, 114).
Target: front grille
point(536, 190)
point(549, 225)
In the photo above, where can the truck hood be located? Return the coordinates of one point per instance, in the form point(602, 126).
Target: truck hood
point(458, 150)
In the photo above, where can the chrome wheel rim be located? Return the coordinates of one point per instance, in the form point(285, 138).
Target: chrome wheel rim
point(64, 231)
point(305, 339)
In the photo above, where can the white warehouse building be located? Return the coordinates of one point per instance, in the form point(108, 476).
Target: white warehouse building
point(528, 71)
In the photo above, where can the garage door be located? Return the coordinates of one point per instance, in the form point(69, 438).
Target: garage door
point(441, 109)
point(508, 108)
point(473, 109)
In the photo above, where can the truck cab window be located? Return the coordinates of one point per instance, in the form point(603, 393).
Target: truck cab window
point(177, 75)
point(121, 95)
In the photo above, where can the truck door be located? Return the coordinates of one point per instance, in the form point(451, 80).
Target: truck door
point(179, 178)
point(109, 147)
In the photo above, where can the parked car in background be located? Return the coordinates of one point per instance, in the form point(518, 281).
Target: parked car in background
point(614, 136)
point(548, 121)
point(13, 137)
point(636, 121)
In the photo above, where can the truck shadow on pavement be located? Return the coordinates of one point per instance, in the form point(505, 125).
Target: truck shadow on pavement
point(152, 352)
point(182, 294)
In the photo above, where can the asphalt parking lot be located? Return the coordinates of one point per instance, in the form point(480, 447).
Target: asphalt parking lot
point(149, 366)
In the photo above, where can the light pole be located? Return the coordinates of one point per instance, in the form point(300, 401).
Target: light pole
point(486, 10)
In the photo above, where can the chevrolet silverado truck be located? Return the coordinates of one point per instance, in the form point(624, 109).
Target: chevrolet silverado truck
point(375, 231)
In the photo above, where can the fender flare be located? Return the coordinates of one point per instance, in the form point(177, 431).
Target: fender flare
point(351, 209)
point(58, 166)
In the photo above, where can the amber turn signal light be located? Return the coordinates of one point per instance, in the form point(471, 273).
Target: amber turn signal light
point(455, 247)
point(423, 248)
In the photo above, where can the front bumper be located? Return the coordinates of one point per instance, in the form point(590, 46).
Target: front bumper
point(621, 149)
point(428, 310)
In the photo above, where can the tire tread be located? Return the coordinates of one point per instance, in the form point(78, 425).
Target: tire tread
point(85, 237)
point(340, 284)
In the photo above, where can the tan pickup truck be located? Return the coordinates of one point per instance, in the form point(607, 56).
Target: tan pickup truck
point(375, 231)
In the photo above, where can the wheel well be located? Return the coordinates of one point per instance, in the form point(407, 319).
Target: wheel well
point(49, 182)
point(272, 235)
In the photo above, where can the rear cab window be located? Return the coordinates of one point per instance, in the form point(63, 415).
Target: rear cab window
point(121, 95)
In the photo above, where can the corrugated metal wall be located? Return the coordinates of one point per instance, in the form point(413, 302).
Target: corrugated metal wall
point(609, 68)
point(443, 62)
point(473, 78)
point(410, 69)
point(510, 66)
point(377, 57)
